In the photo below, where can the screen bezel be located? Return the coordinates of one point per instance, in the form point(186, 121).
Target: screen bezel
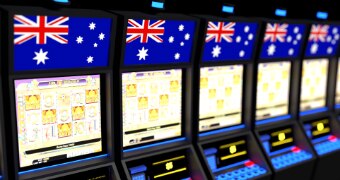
point(104, 118)
point(269, 131)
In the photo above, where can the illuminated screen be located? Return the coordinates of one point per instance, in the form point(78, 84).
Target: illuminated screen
point(337, 96)
point(152, 106)
point(273, 84)
point(318, 128)
point(172, 165)
point(228, 152)
point(58, 118)
point(280, 138)
point(220, 96)
point(314, 84)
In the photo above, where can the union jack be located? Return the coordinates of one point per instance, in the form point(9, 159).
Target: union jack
point(219, 32)
point(318, 32)
point(41, 29)
point(275, 32)
point(145, 31)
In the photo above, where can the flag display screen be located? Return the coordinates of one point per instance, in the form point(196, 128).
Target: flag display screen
point(172, 165)
point(273, 85)
point(337, 96)
point(282, 40)
point(220, 96)
point(279, 138)
point(323, 40)
point(229, 41)
point(314, 84)
point(318, 128)
point(152, 106)
point(58, 118)
point(160, 41)
point(44, 42)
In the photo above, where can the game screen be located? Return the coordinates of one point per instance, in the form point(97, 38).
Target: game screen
point(280, 138)
point(273, 85)
point(172, 165)
point(220, 96)
point(152, 106)
point(337, 96)
point(314, 84)
point(227, 152)
point(57, 118)
point(318, 128)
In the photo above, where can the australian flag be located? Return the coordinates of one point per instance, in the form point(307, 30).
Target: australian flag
point(229, 41)
point(282, 40)
point(323, 40)
point(158, 41)
point(59, 42)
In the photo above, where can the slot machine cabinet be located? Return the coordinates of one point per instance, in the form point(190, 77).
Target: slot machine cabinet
point(155, 90)
point(225, 144)
point(276, 99)
point(59, 90)
point(317, 98)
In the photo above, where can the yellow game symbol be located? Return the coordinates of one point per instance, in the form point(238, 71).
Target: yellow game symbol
point(143, 102)
point(78, 112)
point(91, 96)
point(220, 104)
point(228, 91)
point(259, 76)
point(320, 126)
point(271, 96)
point(278, 85)
point(204, 82)
point(169, 166)
point(212, 93)
point(307, 81)
point(282, 136)
point(174, 86)
point(237, 79)
point(64, 130)
point(49, 116)
point(265, 87)
point(131, 90)
point(164, 100)
point(285, 74)
point(232, 149)
point(32, 102)
point(153, 114)
point(312, 90)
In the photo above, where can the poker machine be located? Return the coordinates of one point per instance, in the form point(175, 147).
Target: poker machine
point(155, 94)
point(59, 67)
point(223, 90)
point(275, 112)
point(316, 100)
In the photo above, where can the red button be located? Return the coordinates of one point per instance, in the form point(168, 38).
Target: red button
point(249, 163)
point(332, 138)
point(296, 149)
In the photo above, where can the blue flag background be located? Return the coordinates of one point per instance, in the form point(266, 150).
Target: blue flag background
point(88, 46)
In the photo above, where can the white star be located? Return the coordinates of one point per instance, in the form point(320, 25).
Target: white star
point(329, 38)
point(246, 29)
point(181, 27)
point(295, 42)
point(79, 39)
point(92, 26)
point(241, 54)
point(336, 36)
point(177, 55)
point(246, 43)
point(216, 51)
point(335, 30)
point(296, 30)
point(289, 39)
point(142, 53)
point(40, 56)
point(95, 45)
point(101, 36)
point(171, 39)
point(333, 42)
point(291, 51)
point(250, 36)
point(238, 39)
point(314, 48)
point(187, 36)
point(271, 49)
point(298, 36)
point(89, 59)
point(329, 50)
point(182, 43)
